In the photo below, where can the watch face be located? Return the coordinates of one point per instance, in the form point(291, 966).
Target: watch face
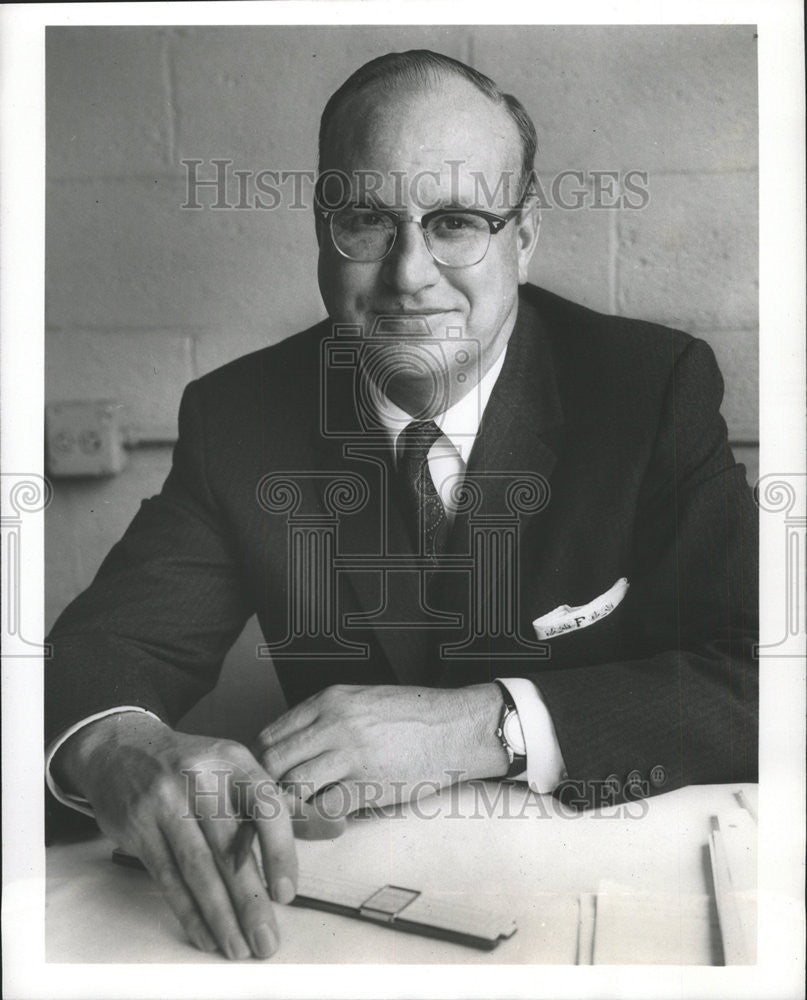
point(513, 734)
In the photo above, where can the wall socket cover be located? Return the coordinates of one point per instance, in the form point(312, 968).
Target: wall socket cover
point(84, 438)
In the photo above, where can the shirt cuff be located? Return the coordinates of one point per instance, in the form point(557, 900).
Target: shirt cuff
point(78, 802)
point(545, 765)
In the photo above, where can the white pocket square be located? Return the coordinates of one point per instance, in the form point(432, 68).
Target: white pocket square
point(567, 619)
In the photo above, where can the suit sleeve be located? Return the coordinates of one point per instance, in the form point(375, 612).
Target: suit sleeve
point(685, 709)
point(167, 603)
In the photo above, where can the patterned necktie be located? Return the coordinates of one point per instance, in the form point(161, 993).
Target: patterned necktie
point(423, 504)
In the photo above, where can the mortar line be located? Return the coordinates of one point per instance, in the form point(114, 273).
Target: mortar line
point(169, 89)
point(613, 247)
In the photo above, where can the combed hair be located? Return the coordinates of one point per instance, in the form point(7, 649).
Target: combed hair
point(421, 67)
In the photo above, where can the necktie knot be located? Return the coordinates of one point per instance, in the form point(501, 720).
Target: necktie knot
point(416, 440)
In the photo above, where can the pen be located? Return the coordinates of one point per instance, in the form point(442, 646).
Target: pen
point(742, 798)
point(242, 843)
point(239, 849)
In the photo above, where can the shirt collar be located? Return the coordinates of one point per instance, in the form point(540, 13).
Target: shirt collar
point(459, 423)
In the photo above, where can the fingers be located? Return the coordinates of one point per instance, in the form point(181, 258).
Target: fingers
point(315, 772)
point(233, 904)
point(297, 718)
point(310, 822)
point(298, 749)
point(174, 800)
point(159, 862)
point(339, 800)
point(195, 865)
point(232, 898)
point(267, 808)
point(342, 798)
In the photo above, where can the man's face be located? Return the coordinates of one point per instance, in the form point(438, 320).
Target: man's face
point(418, 150)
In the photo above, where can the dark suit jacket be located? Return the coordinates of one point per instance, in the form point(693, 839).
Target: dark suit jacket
point(615, 420)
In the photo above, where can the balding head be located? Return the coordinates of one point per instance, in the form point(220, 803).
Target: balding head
point(419, 71)
point(424, 225)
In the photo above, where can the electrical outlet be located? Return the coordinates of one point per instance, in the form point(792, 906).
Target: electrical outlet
point(84, 438)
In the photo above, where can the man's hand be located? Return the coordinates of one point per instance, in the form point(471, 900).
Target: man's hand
point(173, 801)
point(382, 744)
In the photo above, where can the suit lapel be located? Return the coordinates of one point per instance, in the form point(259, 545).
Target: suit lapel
point(507, 480)
point(383, 590)
point(518, 443)
point(520, 436)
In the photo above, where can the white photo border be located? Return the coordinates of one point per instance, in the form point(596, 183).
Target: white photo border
point(779, 971)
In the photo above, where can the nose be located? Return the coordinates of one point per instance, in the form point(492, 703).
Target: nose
point(410, 266)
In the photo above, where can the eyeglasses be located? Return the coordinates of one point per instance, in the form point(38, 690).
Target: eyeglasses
point(454, 238)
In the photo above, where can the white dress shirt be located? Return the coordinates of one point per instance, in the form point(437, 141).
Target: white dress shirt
point(448, 458)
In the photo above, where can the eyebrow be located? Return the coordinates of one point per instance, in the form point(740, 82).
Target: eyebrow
point(448, 206)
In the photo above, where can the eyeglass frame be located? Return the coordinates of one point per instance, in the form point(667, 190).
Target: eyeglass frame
point(495, 222)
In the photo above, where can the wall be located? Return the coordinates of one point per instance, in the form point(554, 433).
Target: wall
point(143, 296)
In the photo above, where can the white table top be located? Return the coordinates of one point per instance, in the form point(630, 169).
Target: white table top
point(527, 856)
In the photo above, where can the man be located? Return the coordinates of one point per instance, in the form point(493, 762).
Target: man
point(486, 532)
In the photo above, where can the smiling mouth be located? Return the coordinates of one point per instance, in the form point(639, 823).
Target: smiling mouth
point(415, 325)
point(408, 313)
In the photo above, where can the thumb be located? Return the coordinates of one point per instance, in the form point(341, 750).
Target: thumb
point(311, 822)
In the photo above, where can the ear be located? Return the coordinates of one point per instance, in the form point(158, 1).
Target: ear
point(528, 224)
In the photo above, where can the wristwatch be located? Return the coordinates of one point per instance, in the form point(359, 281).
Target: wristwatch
point(510, 734)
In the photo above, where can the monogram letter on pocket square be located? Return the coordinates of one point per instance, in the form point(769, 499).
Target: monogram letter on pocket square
point(567, 619)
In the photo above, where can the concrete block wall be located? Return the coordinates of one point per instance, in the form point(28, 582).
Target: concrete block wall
point(143, 295)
